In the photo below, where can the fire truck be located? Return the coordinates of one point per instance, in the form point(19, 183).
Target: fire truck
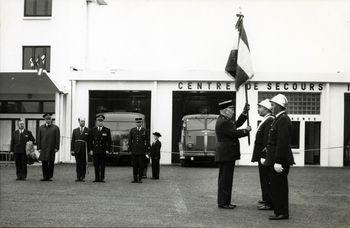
point(198, 139)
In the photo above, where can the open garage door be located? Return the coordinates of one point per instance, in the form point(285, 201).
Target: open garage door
point(120, 108)
point(193, 102)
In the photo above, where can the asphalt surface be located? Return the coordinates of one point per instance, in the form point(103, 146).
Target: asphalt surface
point(183, 197)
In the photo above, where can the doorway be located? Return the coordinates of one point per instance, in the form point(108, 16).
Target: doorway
point(312, 143)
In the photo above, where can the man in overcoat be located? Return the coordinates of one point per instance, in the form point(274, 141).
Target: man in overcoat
point(48, 143)
point(138, 145)
point(101, 143)
point(80, 146)
point(19, 139)
point(279, 157)
point(259, 153)
point(228, 149)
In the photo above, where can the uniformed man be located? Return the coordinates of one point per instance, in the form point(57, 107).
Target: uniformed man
point(19, 140)
point(279, 157)
point(227, 149)
point(138, 145)
point(155, 155)
point(48, 143)
point(80, 146)
point(101, 141)
point(259, 153)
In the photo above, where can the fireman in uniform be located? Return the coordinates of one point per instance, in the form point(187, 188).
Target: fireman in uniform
point(100, 144)
point(138, 145)
point(79, 148)
point(259, 153)
point(279, 157)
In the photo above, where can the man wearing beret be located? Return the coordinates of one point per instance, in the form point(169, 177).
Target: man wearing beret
point(19, 140)
point(100, 144)
point(138, 145)
point(259, 153)
point(80, 145)
point(227, 149)
point(279, 157)
point(48, 143)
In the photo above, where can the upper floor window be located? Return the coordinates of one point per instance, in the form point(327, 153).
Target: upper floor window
point(35, 57)
point(298, 102)
point(38, 8)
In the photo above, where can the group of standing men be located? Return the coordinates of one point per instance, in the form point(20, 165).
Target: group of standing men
point(272, 151)
point(48, 143)
point(98, 143)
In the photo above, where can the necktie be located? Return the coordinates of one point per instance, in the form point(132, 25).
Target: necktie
point(99, 128)
point(81, 130)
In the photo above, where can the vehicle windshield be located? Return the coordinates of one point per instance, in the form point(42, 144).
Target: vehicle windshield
point(119, 126)
point(199, 124)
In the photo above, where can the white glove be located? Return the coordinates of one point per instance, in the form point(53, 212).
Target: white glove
point(262, 160)
point(278, 168)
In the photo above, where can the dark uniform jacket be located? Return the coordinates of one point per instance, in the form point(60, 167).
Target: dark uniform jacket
point(100, 141)
point(261, 138)
point(227, 134)
point(77, 137)
point(18, 141)
point(48, 140)
point(138, 141)
point(155, 149)
point(279, 142)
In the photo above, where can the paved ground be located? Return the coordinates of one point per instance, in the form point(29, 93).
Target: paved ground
point(183, 197)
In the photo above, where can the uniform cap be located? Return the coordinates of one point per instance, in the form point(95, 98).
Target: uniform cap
point(225, 104)
point(265, 103)
point(157, 134)
point(100, 117)
point(138, 120)
point(280, 99)
point(46, 115)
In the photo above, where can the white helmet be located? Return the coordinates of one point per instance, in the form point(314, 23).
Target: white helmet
point(265, 103)
point(280, 99)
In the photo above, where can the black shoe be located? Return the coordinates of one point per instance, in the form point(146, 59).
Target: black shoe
point(262, 201)
point(230, 206)
point(265, 207)
point(134, 181)
point(48, 179)
point(96, 181)
point(18, 178)
point(144, 177)
point(23, 179)
point(44, 179)
point(278, 217)
point(77, 180)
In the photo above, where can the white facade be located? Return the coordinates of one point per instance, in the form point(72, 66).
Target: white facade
point(154, 45)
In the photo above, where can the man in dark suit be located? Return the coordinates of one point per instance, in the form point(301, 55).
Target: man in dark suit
point(138, 145)
point(259, 153)
point(19, 140)
point(79, 148)
point(279, 157)
point(100, 144)
point(227, 149)
point(155, 155)
point(48, 143)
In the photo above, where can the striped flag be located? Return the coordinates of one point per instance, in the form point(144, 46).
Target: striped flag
point(239, 64)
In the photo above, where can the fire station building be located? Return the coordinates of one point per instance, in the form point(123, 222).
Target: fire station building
point(166, 59)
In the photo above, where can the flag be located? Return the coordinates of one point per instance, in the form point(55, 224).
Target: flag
point(239, 64)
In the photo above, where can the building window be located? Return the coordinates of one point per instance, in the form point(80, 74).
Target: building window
point(38, 8)
point(35, 57)
point(298, 103)
point(27, 106)
point(295, 138)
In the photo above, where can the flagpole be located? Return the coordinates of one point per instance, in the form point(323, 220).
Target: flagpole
point(240, 18)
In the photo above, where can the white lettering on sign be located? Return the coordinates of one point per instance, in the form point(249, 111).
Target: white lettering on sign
point(205, 85)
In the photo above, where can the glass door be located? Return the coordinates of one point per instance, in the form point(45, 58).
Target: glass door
point(312, 143)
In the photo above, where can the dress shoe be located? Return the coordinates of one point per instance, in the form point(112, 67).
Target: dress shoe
point(264, 207)
point(23, 179)
point(18, 178)
point(77, 180)
point(96, 181)
point(262, 201)
point(278, 217)
point(230, 206)
point(134, 181)
point(48, 179)
point(43, 179)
